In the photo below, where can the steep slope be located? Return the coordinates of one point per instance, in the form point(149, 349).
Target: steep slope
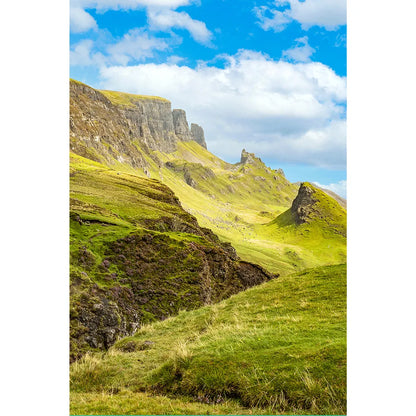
point(280, 346)
point(137, 256)
point(339, 199)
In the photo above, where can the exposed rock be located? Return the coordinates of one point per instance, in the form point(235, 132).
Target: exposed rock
point(302, 205)
point(191, 171)
point(152, 124)
point(250, 158)
point(157, 275)
point(100, 316)
point(92, 115)
point(280, 172)
point(197, 133)
point(181, 125)
point(246, 157)
point(105, 131)
point(189, 179)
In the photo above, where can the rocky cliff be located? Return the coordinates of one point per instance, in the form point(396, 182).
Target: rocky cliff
point(111, 127)
point(197, 133)
point(181, 125)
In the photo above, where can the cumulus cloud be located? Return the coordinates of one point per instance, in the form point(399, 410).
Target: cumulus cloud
point(82, 54)
point(277, 21)
point(340, 188)
point(136, 45)
point(329, 14)
point(81, 21)
point(293, 112)
point(103, 5)
point(165, 20)
point(302, 52)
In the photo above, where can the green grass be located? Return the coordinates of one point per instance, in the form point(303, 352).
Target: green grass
point(280, 346)
point(129, 100)
point(125, 402)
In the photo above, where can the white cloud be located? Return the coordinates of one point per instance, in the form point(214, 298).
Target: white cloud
point(340, 188)
point(329, 14)
point(301, 52)
point(81, 54)
point(277, 22)
point(135, 45)
point(103, 5)
point(175, 59)
point(293, 112)
point(81, 21)
point(165, 20)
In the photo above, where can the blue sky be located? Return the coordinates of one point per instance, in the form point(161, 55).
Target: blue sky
point(268, 76)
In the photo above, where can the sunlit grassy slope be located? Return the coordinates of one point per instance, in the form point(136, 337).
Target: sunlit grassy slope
point(279, 347)
point(238, 202)
point(133, 245)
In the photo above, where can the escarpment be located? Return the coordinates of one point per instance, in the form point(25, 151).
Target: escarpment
point(112, 127)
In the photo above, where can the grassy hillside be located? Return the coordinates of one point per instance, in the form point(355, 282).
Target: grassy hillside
point(321, 239)
point(137, 256)
point(279, 348)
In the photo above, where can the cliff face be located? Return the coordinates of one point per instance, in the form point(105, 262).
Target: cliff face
point(197, 133)
point(108, 127)
point(152, 123)
point(99, 131)
point(181, 125)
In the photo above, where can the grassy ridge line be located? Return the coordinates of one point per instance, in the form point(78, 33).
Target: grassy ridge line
point(280, 346)
point(129, 100)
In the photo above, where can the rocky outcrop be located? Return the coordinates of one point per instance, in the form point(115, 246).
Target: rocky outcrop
point(250, 158)
point(192, 172)
point(197, 133)
point(181, 125)
point(246, 157)
point(302, 205)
